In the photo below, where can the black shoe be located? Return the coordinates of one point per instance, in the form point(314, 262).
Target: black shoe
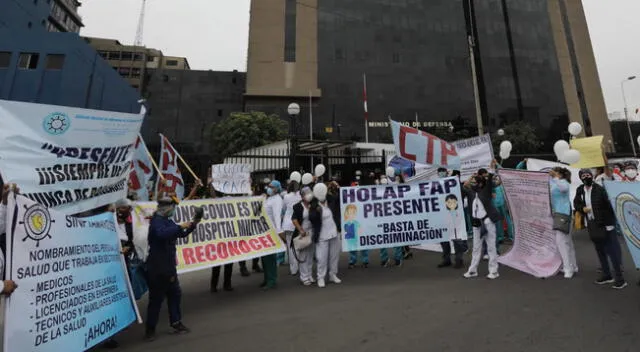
point(268, 287)
point(263, 285)
point(384, 264)
point(179, 328)
point(365, 265)
point(111, 344)
point(397, 263)
point(257, 269)
point(213, 289)
point(620, 285)
point(228, 288)
point(244, 272)
point(605, 280)
point(459, 265)
point(444, 264)
point(150, 335)
point(408, 255)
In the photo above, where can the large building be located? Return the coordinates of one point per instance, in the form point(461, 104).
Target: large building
point(132, 62)
point(41, 65)
point(183, 105)
point(534, 62)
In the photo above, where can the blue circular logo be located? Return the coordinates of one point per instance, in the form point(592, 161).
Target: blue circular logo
point(56, 123)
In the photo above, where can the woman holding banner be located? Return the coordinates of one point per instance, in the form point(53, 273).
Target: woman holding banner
point(560, 185)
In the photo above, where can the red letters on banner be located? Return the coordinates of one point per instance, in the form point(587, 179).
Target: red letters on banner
point(213, 251)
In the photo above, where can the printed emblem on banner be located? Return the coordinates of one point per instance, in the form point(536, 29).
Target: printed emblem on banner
point(37, 223)
point(629, 207)
point(56, 123)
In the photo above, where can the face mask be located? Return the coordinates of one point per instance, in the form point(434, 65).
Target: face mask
point(587, 181)
point(442, 174)
point(631, 173)
point(358, 178)
point(270, 191)
point(322, 199)
point(122, 214)
point(384, 181)
point(172, 212)
point(308, 198)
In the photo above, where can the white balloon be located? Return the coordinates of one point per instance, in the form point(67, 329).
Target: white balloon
point(320, 170)
point(575, 128)
point(295, 176)
point(392, 172)
point(560, 147)
point(571, 156)
point(506, 146)
point(320, 191)
point(504, 154)
point(638, 140)
point(307, 179)
point(501, 132)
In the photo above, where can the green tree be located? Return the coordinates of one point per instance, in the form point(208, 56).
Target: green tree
point(522, 136)
point(245, 130)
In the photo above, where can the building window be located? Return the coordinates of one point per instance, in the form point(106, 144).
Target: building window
point(290, 16)
point(172, 62)
point(127, 55)
point(28, 61)
point(5, 59)
point(135, 72)
point(219, 113)
point(114, 55)
point(138, 57)
point(54, 62)
point(124, 71)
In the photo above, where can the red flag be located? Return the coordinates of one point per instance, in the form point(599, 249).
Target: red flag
point(169, 169)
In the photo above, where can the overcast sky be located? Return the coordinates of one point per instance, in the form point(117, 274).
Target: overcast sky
point(212, 34)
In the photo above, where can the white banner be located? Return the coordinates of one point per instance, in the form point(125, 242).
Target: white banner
point(232, 178)
point(67, 158)
point(546, 166)
point(476, 153)
point(73, 291)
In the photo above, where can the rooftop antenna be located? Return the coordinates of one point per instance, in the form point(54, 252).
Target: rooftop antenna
point(140, 31)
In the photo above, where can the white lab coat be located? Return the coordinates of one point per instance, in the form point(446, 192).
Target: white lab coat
point(273, 206)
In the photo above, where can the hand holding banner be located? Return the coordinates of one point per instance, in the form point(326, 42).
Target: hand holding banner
point(232, 178)
point(591, 153)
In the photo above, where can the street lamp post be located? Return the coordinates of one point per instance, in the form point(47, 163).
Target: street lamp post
point(626, 114)
point(293, 110)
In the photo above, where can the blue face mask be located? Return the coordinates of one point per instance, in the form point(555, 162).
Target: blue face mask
point(269, 191)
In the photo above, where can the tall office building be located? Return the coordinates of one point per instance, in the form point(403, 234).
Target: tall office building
point(534, 62)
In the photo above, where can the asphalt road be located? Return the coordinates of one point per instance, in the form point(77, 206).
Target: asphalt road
point(413, 308)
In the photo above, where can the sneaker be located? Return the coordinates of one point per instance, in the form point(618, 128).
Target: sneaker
point(568, 275)
point(444, 265)
point(334, 279)
point(493, 276)
point(605, 280)
point(294, 274)
point(150, 335)
point(307, 282)
point(179, 328)
point(313, 281)
point(620, 285)
point(321, 283)
point(470, 274)
point(485, 257)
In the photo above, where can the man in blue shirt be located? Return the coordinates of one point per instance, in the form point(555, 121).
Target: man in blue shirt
point(161, 267)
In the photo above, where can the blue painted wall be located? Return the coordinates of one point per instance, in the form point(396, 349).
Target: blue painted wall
point(85, 79)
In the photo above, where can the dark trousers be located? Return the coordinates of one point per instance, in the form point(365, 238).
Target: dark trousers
point(215, 276)
point(609, 249)
point(243, 264)
point(159, 287)
point(270, 267)
point(458, 246)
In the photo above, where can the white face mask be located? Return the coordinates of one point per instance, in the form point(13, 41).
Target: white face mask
point(631, 173)
point(384, 181)
point(308, 197)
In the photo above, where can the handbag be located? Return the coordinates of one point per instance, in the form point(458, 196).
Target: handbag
point(562, 222)
point(578, 221)
point(300, 242)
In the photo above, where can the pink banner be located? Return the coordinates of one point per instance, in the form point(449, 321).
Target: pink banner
point(534, 248)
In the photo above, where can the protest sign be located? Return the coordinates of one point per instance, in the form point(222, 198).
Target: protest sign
point(625, 200)
point(546, 166)
point(476, 153)
point(141, 170)
point(423, 148)
point(73, 289)
point(232, 178)
point(170, 170)
point(400, 215)
point(591, 152)
point(232, 230)
point(66, 158)
point(534, 248)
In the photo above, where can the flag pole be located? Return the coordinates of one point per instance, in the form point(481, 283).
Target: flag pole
point(366, 110)
point(153, 162)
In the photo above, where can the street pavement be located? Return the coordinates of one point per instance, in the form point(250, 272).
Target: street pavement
point(416, 307)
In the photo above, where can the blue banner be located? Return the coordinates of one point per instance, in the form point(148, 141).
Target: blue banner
point(401, 215)
point(625, 200)
point(72, 292)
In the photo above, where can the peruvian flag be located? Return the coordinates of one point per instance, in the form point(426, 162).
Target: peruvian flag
point(364, 97)
point(141, 170)
point(169, 169)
